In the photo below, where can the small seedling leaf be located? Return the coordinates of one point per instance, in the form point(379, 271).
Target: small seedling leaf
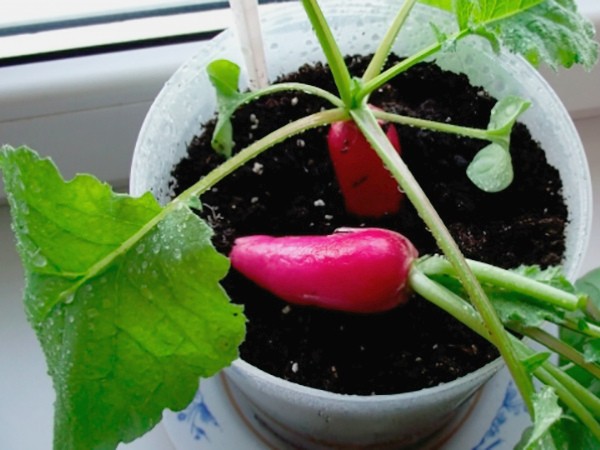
point(491, 169)
point(506, 112)
point(224, 76)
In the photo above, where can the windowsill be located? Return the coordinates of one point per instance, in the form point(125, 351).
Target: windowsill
point(35, 44)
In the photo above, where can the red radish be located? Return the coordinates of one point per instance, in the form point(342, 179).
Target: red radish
point(361, 270)
point(368, 188)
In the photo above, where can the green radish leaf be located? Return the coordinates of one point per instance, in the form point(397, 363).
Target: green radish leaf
point(570, 433)
point(124, 297)
point(491, 169)
point(549, 31)
point(553, 276)
point(591, 350)
point(484, 11)
point(516, 309)
point(588, 284)
point(505, 113)
point(578, 342)
point(224, 76)
point(440, 36)
point(547, 412)
point(442, 4)
point(536, 360)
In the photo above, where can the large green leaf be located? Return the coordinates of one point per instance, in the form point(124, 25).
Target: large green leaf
point(570, 433)
point(123, 296)
point(589, 284)
point(550, 31)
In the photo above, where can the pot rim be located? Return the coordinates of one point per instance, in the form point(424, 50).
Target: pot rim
point(299, 389)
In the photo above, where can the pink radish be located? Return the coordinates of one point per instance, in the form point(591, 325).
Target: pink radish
point(368, 188)
point(356, 270)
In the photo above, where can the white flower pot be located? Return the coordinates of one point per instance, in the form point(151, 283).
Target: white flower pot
point(308, 417)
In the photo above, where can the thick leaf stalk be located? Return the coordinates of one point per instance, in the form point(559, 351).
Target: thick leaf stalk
point(368, 124)
point(584, 404)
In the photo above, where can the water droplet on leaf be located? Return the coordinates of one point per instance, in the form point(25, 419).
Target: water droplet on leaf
point(177, 254)
point(39, 260)
point(69, 298)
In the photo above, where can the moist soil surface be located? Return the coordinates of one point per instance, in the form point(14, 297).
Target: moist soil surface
point(291, 190)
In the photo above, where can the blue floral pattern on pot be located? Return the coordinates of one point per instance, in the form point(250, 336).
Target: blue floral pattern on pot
point(199, 418)
point(512, 406)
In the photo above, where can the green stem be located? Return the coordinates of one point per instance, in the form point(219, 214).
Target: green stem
point(475, 133)
point(205, 183)
point(334, 57)
point(590, 329)
point(591, 309)
point(465, 313)
point(407, 63)
point(583, 395)
point(257, 147)
point(367, 123)
point(306, 88)
point(403, 66)
point(570, 400)
point(587, 398)
point(508, 280)
point(557, 346)
point(447, 300)
point(384, 48)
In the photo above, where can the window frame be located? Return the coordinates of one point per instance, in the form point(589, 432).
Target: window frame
point(100, 35)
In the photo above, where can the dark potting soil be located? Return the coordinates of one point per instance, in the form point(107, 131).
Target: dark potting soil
point(291, 190)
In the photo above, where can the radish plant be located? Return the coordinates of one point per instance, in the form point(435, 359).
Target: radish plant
point(121, 290)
